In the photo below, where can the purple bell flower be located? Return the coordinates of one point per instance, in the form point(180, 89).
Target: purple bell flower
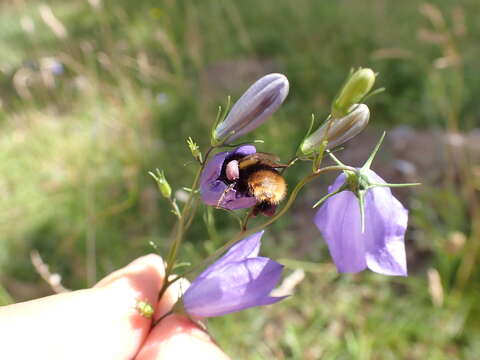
point(380, 247)
point(240, 279)
point(212, 181)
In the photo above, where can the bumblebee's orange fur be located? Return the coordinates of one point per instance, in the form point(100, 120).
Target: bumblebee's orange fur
point(267, 186)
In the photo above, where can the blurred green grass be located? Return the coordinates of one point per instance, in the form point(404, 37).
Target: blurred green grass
point(139, 77)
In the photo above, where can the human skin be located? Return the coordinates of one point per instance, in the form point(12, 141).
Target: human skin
point(103, 322)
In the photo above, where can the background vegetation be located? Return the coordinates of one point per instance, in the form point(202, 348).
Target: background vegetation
point(94, 94)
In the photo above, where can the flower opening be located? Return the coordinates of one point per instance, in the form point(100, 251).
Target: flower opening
point(380, 247)
point(213, 181)
point(238, 280)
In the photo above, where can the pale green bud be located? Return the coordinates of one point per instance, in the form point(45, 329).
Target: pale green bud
point(145, 309)
point(357, 86)
point(337, 131)
point(162, 183)
point(194, 149)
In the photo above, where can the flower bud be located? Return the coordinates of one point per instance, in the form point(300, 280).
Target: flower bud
point(162, 183)
point(145, 309)
point(260, 100)
point(194, 149)
point(354, 90)
point(339, 130)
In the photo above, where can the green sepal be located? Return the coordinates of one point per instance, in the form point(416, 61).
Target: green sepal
point(214, 141)
point(299, 151)
point(361, 203)
point(372, 185)
point(370, 159)
point(326, 197)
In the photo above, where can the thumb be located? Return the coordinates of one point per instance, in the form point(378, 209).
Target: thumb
point(176, 337)
point(98, 323)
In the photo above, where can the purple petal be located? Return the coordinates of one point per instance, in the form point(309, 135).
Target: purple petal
point(381, 247)
point(339, 222)
point(234, 287)
point(212, 189)
point(246, 248)
point(339, 181)
point(385, 226)
point(260, 100)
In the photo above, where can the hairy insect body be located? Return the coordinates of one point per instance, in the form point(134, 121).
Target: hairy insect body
point(256, 175)
point(267, 185)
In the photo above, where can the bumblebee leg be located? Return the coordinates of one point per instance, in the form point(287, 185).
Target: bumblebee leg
point(220, 200)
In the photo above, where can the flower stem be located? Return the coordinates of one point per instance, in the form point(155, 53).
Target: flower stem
point(155, 323)
point(184, 221)
point(247, 217)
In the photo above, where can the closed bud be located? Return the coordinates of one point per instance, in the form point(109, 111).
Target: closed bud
point(357, 86)
point(260, 100)
point(162, 183)
point(337, 131)
point(194, 149)
point(145, 309)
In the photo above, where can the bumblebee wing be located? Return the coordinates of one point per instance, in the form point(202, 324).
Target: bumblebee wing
point(260, 158)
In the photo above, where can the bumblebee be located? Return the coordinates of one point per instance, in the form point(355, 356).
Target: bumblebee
point(256, 176)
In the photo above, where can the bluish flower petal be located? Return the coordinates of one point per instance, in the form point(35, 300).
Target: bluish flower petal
point(234, 287)
point(381, 246)
point(339, 222)
point(385, 226)
point(339, 181)
point(212, 189)
point(268, 300)
point(247, 248)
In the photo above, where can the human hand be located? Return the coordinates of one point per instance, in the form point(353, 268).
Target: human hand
point(104, 323)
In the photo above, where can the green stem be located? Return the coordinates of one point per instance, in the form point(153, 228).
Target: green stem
point(172, 253)
point(174, 206)
point(192, 214)
point(193, 196)
point(184, 221)
point(247, 217)
point(292, 161)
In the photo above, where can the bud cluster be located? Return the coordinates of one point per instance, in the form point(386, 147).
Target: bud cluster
point(347, 118)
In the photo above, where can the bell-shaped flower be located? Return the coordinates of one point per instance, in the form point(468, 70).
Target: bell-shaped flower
point(363, 223)
point(240, 279)
point(337, 131)
point(213, 181)
point(254, 107)
point(380, 246)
